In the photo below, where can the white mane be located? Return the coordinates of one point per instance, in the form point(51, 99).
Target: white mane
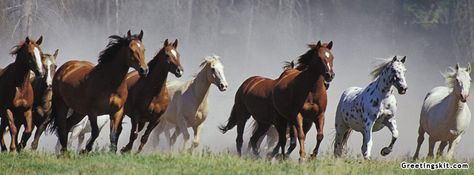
point(450, 77)
point(209, 60)
point(379, 68)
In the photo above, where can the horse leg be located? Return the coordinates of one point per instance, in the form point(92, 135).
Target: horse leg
point(367, 141)
point(319, 133)
point(174, 137)
point(421, 138)
point(61, 123)
point(301, 137)
point(13, 130)
point(431, 146)
point(452, 145)
point(76, 131)
point(115, 122)
point(281, 125)
point(3, 126)
point(182, 125)
point(80, 140)
point(39, 130)
point(392, 126)
point(136, 128)
point(293, 134)
point(441, 147)
point(197, 136)
point(240, 135)
point(272, 138)
point(149, 128)
point(262, 128)
point(94, 132)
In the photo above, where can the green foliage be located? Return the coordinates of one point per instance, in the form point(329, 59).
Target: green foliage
point(427, 13)
point(197, 163)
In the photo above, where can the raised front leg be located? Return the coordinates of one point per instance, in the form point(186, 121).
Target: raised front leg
point(115, 123)
point(197, 136)
point(367, 141)
point(28, 128)
point(392, 126)
point(145, 136)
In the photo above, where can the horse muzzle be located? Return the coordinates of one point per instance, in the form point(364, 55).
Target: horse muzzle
point(222, 87)
point(143, 71)
point(328, 77)
point(464, 98)
point(178, 73)
point(402, 90)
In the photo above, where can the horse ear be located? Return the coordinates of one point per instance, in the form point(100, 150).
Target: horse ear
point(39, 41)
point(468, 67)
point(56, 53)
point(394, 58)
point(27, 39)
point(329, 45)
point(457, 66)
point(175, 44)
point(129, 35)
point(318, 44)
point(140, 36)
point(403, 59)
point(165, 43)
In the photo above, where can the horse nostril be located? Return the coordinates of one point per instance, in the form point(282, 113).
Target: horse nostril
point(143, 71)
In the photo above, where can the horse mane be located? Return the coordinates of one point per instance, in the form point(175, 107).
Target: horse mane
point(209, 60)
point(114, 45)
point(379, 68)
point(17, 48)
point(450, 77)
point(304, 60)
point(288, 65)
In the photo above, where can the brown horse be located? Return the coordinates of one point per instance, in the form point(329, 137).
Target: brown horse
point(279, 101)
point(16, 93)
point(148, 95)
point(312, 112)
point(83, 89)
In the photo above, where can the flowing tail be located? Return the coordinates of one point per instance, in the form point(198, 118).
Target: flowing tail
point(52, 125)
point(346, 137)
point(231, 122)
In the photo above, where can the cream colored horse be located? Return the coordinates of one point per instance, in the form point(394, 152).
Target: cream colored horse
point(445, 115)
point(188, 105)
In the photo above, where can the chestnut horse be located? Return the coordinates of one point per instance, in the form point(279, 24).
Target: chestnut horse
point(279, 101)
point(16, 93)
point(313, 111)
point(83, 89)
point(149, 95)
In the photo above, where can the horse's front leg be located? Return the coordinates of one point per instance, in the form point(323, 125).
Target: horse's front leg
point(197, 135)
point(115, 123)
point(94, 133)
point(39, 130)
point(13, 130)
point(28, 128)
point(150, 127)
point(367, 140)
point(392, 126)
point(452, 145)
point(319, 133)
point(182, 125)
point(301, 137)
point(3, 126)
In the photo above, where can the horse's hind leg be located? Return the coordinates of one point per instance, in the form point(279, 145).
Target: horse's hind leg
point(441, 147)
point(39, 130)
point(431, 146)
point(115, 124)
point(262, 128)
point(136, 128)
point(421, 138)
point(13, 130)
point(392, 126)
point(281, 125)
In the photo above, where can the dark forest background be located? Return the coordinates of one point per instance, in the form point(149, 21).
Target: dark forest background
point(254, 37)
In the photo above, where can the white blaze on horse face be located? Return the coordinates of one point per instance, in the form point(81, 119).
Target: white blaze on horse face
point(38, 59)
point(49, 78)
point(464, 82)
point(138, 45)
point(327, 54)
point(174, 53)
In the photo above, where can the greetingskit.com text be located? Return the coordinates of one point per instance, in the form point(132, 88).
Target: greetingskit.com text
point(434, 166)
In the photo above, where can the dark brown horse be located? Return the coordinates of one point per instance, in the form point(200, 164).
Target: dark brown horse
point(83, 89)
point(279, 101)
point(148, 95)
point(16, 93)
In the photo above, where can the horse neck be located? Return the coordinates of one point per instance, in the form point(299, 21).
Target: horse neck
point(115, 71)
point(21, 73)
point(381, 86)
point(200, 85)
point(455, 106)
point(41, 91)
point(318, 86)
point(307, 79)
point(156, 79)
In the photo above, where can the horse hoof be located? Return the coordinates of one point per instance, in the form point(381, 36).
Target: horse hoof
point(84, 151)
point(125, 150)
point(302, 160)
point(385, 151)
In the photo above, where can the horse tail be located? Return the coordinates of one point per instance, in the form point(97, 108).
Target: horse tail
point(346, 136)
point(232, 121)
point(52, 123)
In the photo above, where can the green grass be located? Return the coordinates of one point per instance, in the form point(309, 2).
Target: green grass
point(197, 163)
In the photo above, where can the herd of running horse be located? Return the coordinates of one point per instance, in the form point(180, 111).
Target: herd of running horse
point(34, 94)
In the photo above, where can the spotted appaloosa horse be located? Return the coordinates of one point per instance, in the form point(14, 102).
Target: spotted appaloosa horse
point(369, 109)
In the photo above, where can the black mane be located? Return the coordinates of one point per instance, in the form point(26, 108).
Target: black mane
point(116, 42)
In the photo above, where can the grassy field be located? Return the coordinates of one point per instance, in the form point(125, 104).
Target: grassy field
point(197, 163)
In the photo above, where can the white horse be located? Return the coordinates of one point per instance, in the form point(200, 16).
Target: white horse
point(79, 130)
point(188, 105)
point(445, 115)
point(369, 109)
